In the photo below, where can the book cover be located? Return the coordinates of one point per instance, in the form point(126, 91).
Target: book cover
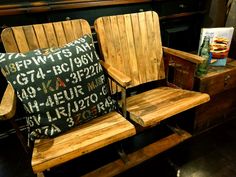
point(220, 39)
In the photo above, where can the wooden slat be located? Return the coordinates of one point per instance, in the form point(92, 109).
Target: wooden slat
point(117, 45)
point(31, 37)
point(158, 45)
point(20, 39)
point(137, 157)
point(151, 107)
point(152, 48)
point(132, 56)
point(50, 35)
point(80, 28)
point(82, 140)
point(60, 34)
point(68, 31)
point(109, 49)
point(146, 48)
point(9, 41)
point(41, 36)
point(141, 61)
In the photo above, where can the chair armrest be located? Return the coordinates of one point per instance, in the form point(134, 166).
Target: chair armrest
point(115, 74)
point(183, 55)
point(8, 103)
point(180, 67)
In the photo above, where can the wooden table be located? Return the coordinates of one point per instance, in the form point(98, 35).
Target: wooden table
point(220, 84)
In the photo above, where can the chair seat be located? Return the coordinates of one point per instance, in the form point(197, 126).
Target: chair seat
point(81, 140)
point(153, 106)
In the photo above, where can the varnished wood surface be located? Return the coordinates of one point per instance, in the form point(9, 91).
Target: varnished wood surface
point(81, 140)
point(132, 47)
point(139, 156)
point(151, 107)
point(183, 55)
point(30, 37)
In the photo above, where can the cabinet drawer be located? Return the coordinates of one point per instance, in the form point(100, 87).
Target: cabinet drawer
point(218, 81)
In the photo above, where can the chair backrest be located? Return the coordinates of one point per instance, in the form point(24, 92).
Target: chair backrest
point(132, 44)
point(56, 34)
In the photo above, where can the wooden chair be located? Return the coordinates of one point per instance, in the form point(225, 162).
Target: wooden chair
point(48, 153)
point(131, 43)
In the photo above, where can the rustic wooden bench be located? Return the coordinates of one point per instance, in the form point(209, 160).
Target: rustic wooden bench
point(133, 56)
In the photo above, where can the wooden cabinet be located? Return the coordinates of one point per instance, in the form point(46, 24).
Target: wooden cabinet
point(220, 84)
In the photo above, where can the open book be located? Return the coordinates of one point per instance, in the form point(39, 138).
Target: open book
point(220, 39)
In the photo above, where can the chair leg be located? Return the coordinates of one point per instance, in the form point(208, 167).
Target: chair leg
point(122, 153)
point(20, 136)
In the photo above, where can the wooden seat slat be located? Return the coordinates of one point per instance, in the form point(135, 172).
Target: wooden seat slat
point(86, 138)
point(153, 106)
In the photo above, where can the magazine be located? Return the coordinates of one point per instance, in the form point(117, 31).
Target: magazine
point(220, 39)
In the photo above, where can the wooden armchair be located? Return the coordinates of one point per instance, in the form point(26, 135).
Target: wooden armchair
point(81, 140)
point(161, 78)
point(131, 43)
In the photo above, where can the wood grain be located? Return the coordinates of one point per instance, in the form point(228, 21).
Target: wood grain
point(151, 107)
point(132, 47)
point(81, 140)
point(183, 55)
point(30, 37)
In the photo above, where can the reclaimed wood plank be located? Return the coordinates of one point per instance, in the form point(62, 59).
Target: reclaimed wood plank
point(153, 106)
point(20, 39)
point(88, 137)
point(31, 37)
point(60, 34)
point(50, 35)
point(41, 36)
point(130, 46)
point(9, 41)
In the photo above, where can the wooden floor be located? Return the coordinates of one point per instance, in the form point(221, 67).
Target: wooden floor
point(210, 154)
